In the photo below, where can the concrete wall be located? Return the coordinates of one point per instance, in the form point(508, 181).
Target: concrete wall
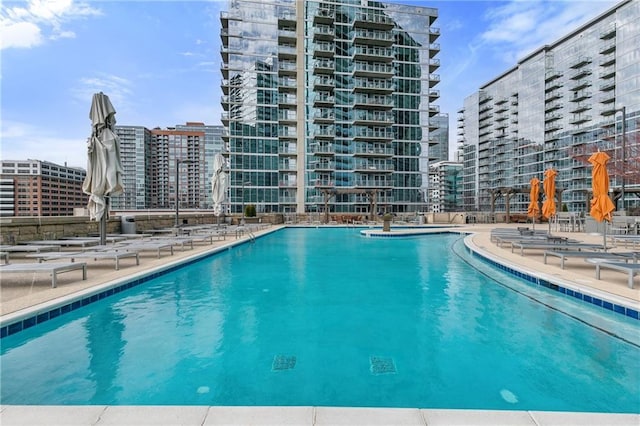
point(445, 218)
point(20, 229)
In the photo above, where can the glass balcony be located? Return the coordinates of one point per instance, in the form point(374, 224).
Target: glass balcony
point(363, 133)
point(373, 69)
point(371, 20)
point(321, 148)
point(323, 32)
point(373, 86)
point(372, 53)
point(373, 149)
point(608, 48)
point(379, 38)
point(580, 62)
point(324, 16)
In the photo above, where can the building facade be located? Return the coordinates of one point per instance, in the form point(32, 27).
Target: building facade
point(439, 150)
point(40, 188)
point(135, 157)
point(554, 109)
point(328, 103)
point(445, 187)
point(155, 160)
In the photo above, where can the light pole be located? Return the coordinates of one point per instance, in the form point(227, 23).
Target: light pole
point(243, 185)
point(624, 149)
point(178, 162)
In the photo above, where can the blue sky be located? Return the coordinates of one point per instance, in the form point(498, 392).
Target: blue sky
point(159, 62)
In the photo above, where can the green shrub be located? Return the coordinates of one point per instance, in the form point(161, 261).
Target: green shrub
point(250, 210)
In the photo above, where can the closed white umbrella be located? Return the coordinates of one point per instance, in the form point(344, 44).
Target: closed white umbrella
point(104, 167)
point(218, 184)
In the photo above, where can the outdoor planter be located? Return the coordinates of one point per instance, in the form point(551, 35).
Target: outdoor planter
point(386, 224)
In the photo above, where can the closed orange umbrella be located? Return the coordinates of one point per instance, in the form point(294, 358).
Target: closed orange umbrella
point(601, 204)
point(549, 184)
point(533, 209)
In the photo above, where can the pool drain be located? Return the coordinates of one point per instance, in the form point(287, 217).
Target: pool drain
point(283, 362)
point(382, 365)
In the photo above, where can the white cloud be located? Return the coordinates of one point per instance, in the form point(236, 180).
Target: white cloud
point(452, 25)
point(63, 34)
point(30, 23)
point(518, 27)
point(19, 35)
point(22, 141)
point(118, 89)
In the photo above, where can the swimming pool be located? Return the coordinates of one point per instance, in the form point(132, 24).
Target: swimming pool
point(327, 317)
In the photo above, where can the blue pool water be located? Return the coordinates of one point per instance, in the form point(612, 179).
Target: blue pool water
point(327, 317)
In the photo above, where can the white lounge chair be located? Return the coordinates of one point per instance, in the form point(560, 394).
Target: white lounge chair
point(53, 268)
point(95, 255)
point(176, 241)
point(144, 246)
point(563, 254)
point(522, 245)
point(29, 248)
point(630, 268)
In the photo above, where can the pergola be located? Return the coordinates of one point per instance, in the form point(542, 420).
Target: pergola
point(507, 192)
point(328, 193)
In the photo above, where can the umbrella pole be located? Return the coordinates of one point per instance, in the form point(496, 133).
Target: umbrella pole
point(604, 235)
point(103, 223)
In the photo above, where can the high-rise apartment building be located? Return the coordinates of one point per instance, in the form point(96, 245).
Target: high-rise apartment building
point(136, 162)
point(328, 100)
point(439, 150)
point(445, 186)
point(178, 159)
point(40, 188)
point(212, 145)
point(151, 169)
point(553, 110)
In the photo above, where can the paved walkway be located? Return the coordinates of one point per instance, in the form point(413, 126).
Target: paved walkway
point(576, 270)
point(24, 293)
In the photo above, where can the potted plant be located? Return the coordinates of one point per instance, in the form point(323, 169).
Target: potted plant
point(386, 222)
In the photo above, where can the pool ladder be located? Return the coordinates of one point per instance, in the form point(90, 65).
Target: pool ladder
point(240, 232)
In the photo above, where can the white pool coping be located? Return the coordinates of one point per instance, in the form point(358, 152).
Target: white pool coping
point(101, 415)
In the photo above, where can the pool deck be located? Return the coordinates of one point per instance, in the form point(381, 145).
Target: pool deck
point(22, 295)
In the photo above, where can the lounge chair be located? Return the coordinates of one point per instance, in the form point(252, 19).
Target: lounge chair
point(29, 248)
point(625, 240)
point(519, 232)
point(630, 268)
point(176, 241)
point(537, 245)
point(508, 239)
point(73, 242)
point(144, 246)
point(90, 254)
point(53, 268)
point(563, 254)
